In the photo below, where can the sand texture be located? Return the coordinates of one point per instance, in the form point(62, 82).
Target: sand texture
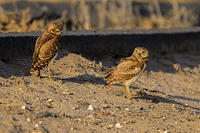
point(167, 100)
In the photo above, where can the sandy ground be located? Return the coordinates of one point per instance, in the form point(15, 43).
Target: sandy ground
point(167, 101)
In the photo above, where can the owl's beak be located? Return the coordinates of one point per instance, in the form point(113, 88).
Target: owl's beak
point(60, 32)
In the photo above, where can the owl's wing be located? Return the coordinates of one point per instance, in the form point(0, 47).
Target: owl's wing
point(48, 50)
point(38, 46)
point(45, 54)
point(40, 42)
point(128, 68)
point(125, 70)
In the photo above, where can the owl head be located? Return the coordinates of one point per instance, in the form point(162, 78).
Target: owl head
point(55, 28)
point(141, 53)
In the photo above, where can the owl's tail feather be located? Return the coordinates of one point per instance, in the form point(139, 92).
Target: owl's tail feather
point(106, 85)
point(39, 65)
point(110, 72)
point(108, 78)
point(32, 70)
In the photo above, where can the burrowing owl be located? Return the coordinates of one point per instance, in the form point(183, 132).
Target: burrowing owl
point(46, 47)
point(128, 70)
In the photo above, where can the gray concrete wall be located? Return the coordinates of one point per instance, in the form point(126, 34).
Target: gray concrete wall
point(95, 43)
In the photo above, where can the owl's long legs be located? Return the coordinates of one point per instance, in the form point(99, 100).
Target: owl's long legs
point(124, 94)
point(49, 73)
point(128, 92)
point(38, 74)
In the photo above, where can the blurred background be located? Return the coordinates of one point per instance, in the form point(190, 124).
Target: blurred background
point(34, 15)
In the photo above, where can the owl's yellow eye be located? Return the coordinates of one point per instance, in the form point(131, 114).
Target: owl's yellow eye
point(144, 52)
point(136, 51)
point(56, 31)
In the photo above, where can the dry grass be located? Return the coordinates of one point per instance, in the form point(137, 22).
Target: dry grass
point(12, 22)
point(176, 17)
point(179, 1)
point(111, 15)
point(56, 1)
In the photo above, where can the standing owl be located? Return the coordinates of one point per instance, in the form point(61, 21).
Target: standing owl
point(128, 70)
point(46, 47)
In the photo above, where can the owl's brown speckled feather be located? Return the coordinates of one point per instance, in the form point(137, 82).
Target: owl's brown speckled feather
point(125, 70)
point(46, 46)
point(129, 69)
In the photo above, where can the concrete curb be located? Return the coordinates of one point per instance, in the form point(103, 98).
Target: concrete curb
point(96, 43)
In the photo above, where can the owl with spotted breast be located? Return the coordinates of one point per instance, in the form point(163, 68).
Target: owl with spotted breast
point(128, 70)
point(46, 47)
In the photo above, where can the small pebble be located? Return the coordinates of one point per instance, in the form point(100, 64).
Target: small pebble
point(118, 125)
point(106, 106)
point(50, 100)
point(91, 116)
point(36, 125)
point(91, 107)
point(28, 119)
point(127, 109)
point(110, 126)
point(173, 105)
point(20, 89)
point(23, 107)
point(94, 100)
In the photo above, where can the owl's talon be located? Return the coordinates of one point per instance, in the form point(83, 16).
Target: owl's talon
point(129, 98)
point(133, 99)
point(122, 96)
point(50, 79)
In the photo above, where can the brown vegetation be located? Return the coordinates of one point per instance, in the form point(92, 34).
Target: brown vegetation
point(12, 22)
point(55, 1)
point(111, 16)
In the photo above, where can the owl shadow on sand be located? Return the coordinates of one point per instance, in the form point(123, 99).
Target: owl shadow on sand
point(15, 67)
point(85, 78)
point(20, 66)
point(142, 94)
point(156, 97)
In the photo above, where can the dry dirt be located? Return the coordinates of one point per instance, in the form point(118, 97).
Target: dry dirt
point(167, 101)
